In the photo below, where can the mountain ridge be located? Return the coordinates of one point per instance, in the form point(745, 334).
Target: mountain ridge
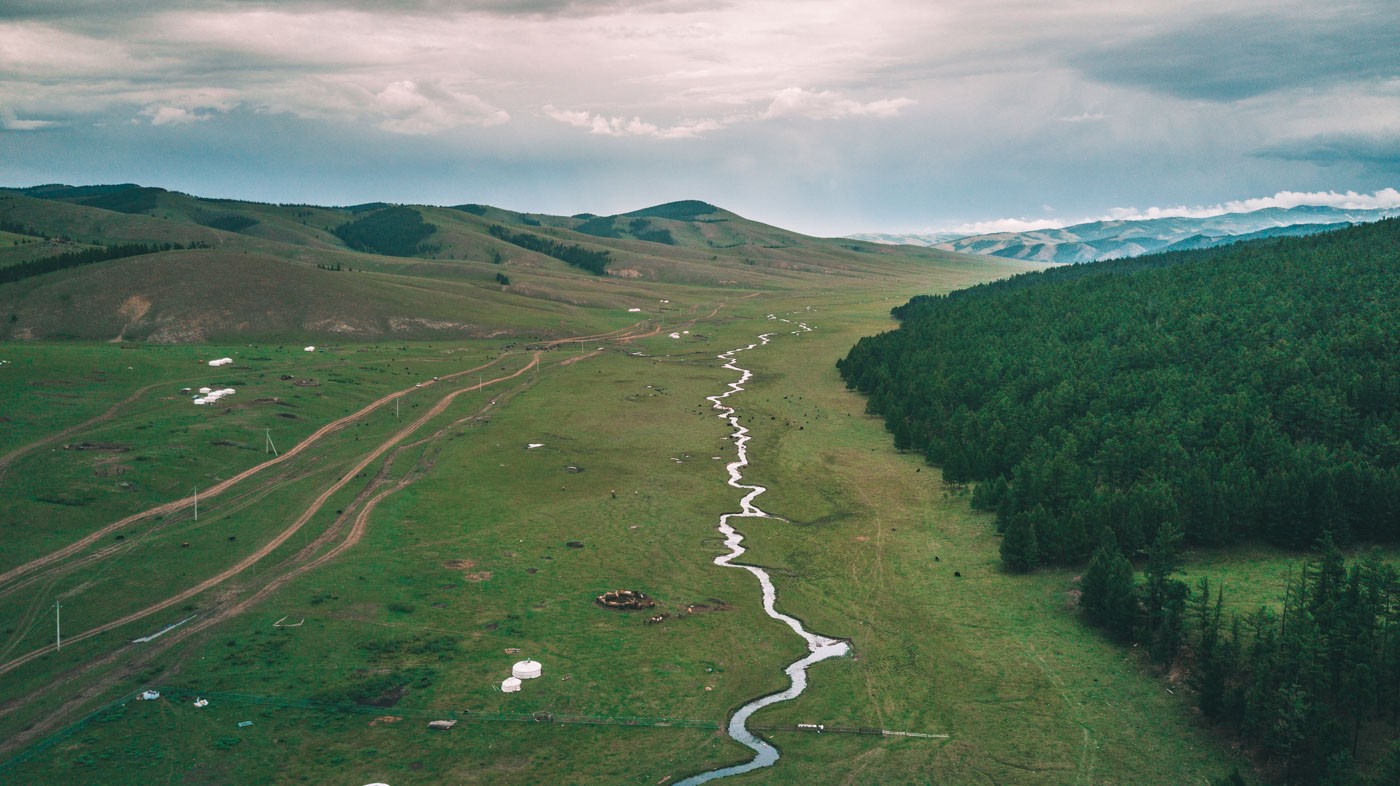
point(1116, 238)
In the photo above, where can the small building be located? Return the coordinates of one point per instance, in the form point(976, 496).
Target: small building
point(510, 685)
point(150, 695)
point(526, 670)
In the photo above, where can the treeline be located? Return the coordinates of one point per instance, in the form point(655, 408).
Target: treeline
point(1302, 687)
point(1251, 391)
point(17, 228)
point(639, 228)
point(394, 231)
point(38, 267)
point(595, 262)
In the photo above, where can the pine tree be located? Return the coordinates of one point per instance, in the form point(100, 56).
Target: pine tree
point(1019, 550)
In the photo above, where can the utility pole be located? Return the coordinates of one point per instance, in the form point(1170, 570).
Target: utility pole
point(196, 503)
point(57, 626)
point(271, 448)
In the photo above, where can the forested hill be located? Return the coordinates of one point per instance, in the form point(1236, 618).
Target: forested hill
point(1245, 391)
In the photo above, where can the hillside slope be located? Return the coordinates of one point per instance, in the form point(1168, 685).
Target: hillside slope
point(248, 269)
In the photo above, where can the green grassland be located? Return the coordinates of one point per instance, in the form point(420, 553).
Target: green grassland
point(999, 663)
point(486, 546)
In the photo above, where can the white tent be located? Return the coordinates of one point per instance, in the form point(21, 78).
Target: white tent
point(511, 685)
point(310, 349)
point(526, 670)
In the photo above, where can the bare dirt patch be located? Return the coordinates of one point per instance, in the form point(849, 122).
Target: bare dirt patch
point(460, 564)
point(106, 447)
point(110, 470)
point(480, 575)
point(135, 307)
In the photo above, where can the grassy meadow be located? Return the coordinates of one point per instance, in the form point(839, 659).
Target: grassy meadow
point(495, 552)
point(397, 556)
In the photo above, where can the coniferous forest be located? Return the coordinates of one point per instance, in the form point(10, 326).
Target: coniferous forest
point(1250, 391)
point(1114, 412)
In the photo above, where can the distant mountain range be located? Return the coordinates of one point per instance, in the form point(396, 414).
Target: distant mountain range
point(1116, 239)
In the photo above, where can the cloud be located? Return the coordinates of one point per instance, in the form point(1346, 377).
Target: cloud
point(173, 115)
point(999, 225)
point(827, 105)
point(1330, 149)
point(788, 102)
point(1230, 57)
point(407, 107)
point(622, 126)
point(1348, 200)
point(9, 122)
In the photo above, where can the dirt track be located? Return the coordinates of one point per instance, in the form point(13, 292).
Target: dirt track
point(212, 491)
point(282, 537)
point(305, 560)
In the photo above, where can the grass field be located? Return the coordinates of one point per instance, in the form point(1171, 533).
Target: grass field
point(486, 546)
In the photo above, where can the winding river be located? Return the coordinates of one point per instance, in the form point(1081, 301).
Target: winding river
point(819, 648)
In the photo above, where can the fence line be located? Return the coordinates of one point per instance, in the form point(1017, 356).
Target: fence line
point(63, 734)
point(184, 694)
point(439, 714)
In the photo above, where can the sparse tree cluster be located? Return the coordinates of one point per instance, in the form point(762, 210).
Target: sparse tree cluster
point(595, 262)
point(1300, 687)
point(38, 267)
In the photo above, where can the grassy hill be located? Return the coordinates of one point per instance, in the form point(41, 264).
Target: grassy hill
point(379, 270)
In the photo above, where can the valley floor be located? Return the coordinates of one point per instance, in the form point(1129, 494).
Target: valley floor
point(457, 550)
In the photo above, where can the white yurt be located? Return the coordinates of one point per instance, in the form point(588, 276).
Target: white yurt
point(526, 670)
point(206, 391)
point(310, 349)
point(510, 685)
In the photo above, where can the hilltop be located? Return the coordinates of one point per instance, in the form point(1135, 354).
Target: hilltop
point(133, 262)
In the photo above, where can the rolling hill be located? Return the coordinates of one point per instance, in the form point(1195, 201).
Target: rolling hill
point(227, 269)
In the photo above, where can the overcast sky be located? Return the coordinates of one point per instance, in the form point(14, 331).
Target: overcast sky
point(825, 116)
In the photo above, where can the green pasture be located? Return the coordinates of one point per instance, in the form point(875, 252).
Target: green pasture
point(499, 547)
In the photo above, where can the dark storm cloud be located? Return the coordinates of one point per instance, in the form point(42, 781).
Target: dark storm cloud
point(1229, 58)
point(1381, 152)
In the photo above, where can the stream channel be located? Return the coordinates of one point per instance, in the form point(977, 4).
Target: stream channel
point(819, 648)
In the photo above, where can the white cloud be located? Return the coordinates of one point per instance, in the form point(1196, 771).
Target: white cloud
point(407, 107)
point(827, 105)
point(788, 102)
point(1000, 225)
point(172, 115)
point(1349, 200)
point(622, 126)
point(9, 122)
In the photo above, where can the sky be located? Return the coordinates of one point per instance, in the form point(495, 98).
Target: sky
point(823, 116)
